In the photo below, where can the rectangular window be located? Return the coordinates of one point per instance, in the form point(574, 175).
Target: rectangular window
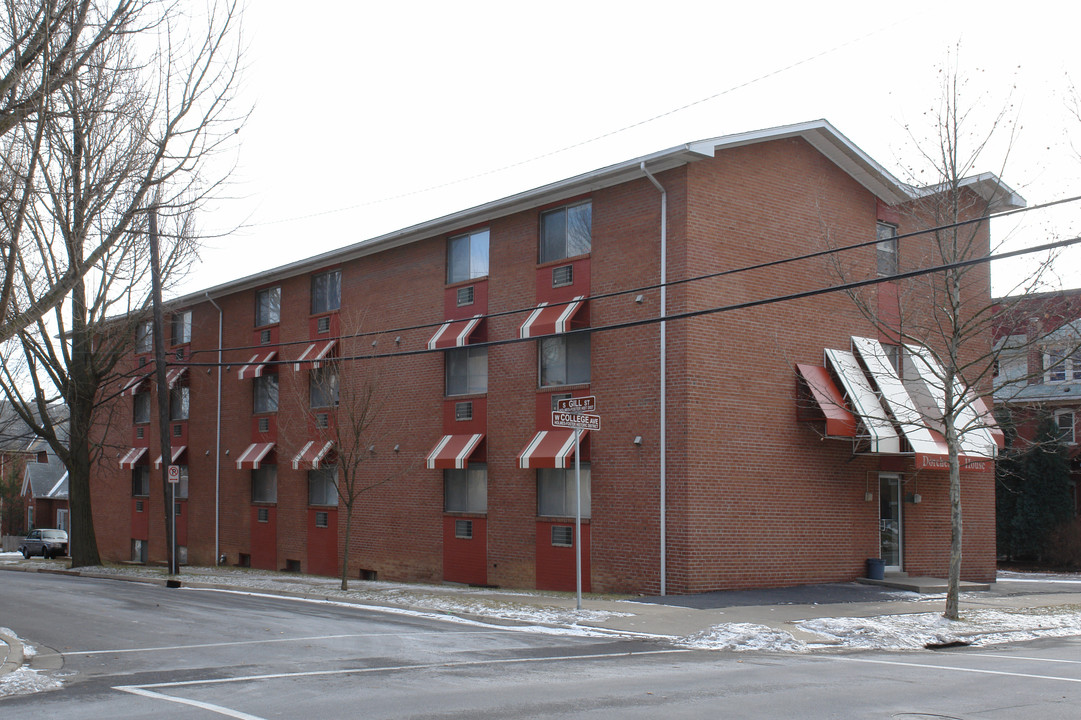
point(562, 536)
point(463, 411)
point(262, 515)
point(144, 337)
point(556, 492)
point(265, 393)
point(466, 295)
point(264, 484)
point(268, 306)
point(140, 481)
point(264, 424)
point(322, 486)
point(467, 256)
point(467, 370)
point(323, 387)
point(181, 488)
point(1055, 365)
point(179, 403)
point(566, 232)
point(142, 408)
point(181, 327)
point(322, 519)
point(463, 529)
point(562, 276)
point(886, 249)
point(326, 291)
point(1065, 420)
point(466, 490)
point(564, 360)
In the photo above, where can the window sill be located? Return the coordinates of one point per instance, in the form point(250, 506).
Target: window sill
point(561, 520)
point(561, 388)
point(464, 283)
point(465, 514)
point(563, 261)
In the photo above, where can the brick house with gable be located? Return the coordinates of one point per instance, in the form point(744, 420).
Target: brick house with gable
point(704, 476)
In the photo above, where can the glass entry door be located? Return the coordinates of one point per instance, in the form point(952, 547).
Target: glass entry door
point(889, 522)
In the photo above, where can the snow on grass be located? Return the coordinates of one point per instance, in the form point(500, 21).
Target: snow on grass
point(742, 637)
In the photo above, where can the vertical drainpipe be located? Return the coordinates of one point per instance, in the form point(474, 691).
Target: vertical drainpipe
point(663, 379)
point(217, 448)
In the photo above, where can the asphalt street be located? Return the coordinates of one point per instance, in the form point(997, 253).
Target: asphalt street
point(131, 650)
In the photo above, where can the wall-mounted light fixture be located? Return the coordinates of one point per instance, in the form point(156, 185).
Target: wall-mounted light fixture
point(398, 340)
point(637, 439)
point(397, 447)
point(639, 298)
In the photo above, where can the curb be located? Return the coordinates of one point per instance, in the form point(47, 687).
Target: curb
point(14, 658)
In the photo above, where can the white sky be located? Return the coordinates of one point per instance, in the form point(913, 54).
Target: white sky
point(361, 108)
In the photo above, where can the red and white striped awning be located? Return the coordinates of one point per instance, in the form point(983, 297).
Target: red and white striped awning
point(312, 454)
point(314, 354)
point(176, 453)
point(133, 385)
point(256, 365)
point(250, 458)
point(129, 461)
point(549, 449)
point(550, 319)
point(454, 333)
point(452, 452)
point(173, 375)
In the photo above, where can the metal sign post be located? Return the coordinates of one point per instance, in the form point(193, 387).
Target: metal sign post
point(571, 413)
point(174, 478)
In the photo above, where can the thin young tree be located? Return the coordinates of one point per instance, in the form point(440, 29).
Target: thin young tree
point(139, 118)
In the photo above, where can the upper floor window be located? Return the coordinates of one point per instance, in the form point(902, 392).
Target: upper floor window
point(179, 402)
point(467, 370)
point(181, 327)
point(323, 387)
point(1060, 367)
point(326, 291)
point(142, 408)
point(566, 232)
point(467, 256)
point(265, 390)
point(323, 486)
point(466, 490)
point(264, 484)
point(1065, 421)
point(557, 492)
point(564, 360)
point(268, 304)
point(181, 488)
point(140, 481)
point(144, 337)
point(886, 249)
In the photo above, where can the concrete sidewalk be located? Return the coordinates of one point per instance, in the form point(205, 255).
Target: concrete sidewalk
point(672, 618)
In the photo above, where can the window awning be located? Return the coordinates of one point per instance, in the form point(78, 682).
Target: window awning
point(312, 454)
point(176, 453)
point(314, 354)
point(256, 365)
point(839, 421)
point(452, 452)
point(134, 385)
point(549, 449)
point(250, 458)
point(865, 402)
point(129, 461)
point(454, 333)
point(550, 319)
point(174, 374)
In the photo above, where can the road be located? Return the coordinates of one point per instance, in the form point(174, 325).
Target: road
point(127, 650)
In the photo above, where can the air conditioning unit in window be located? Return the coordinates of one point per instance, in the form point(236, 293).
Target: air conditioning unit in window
point(180, 353)
point(178, 431)
point(140, 433)
point(322, 420)
point(463, 529)
point(556, 397)
point(562, 276)
point(264, 337)
point(323, 325)
point(563, 536)
point(465, 296)
point(264, 424)
point(322, 519)
point(263, 515)
point(463, 411)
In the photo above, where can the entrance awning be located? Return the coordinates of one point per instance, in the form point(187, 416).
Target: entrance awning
point(454, 333)
point(549, 449)
point(312, 454)
point(315, 354)
point(550, 319)
point(452, 452)
point(829, 400)
point(134, 385)
point(250, 458)
point(256, 365)
point(176, 453)
point(129, 461)
point(173, 375)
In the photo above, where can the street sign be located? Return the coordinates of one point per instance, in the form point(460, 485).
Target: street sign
point(585, 404)
point(576, 420)
point(174, 473)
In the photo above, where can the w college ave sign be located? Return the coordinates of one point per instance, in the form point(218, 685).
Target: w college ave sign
point(572, 413)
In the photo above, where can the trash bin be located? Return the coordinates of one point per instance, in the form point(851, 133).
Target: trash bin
point(876, 569)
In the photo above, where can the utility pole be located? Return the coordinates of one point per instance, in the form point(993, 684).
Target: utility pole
point(163, 392)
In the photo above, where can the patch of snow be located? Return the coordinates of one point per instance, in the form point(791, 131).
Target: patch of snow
point(743, 636)
point(25, 681)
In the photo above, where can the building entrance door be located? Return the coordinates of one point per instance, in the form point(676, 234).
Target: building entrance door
point(889, 521)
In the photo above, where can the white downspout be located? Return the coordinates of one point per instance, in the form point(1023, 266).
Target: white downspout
point(217, 449)
point(663, 379)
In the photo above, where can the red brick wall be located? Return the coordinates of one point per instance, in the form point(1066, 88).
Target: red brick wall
point(465, 560)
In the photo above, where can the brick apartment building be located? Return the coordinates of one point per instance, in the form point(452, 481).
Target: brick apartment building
point(470, 327)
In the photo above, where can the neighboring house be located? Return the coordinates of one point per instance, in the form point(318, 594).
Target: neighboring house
point(708, 475)
point(15, 438)
point(1039, 367)
point(45, 488)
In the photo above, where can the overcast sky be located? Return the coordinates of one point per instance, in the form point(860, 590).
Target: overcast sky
point(369, 117)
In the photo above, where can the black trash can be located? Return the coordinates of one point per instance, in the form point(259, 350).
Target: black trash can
point(876, 569)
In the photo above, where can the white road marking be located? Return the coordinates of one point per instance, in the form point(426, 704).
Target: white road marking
point(147, 691)
point(977, 671)
point(1025, 657)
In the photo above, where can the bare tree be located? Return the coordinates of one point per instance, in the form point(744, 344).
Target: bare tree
point(137, 118)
